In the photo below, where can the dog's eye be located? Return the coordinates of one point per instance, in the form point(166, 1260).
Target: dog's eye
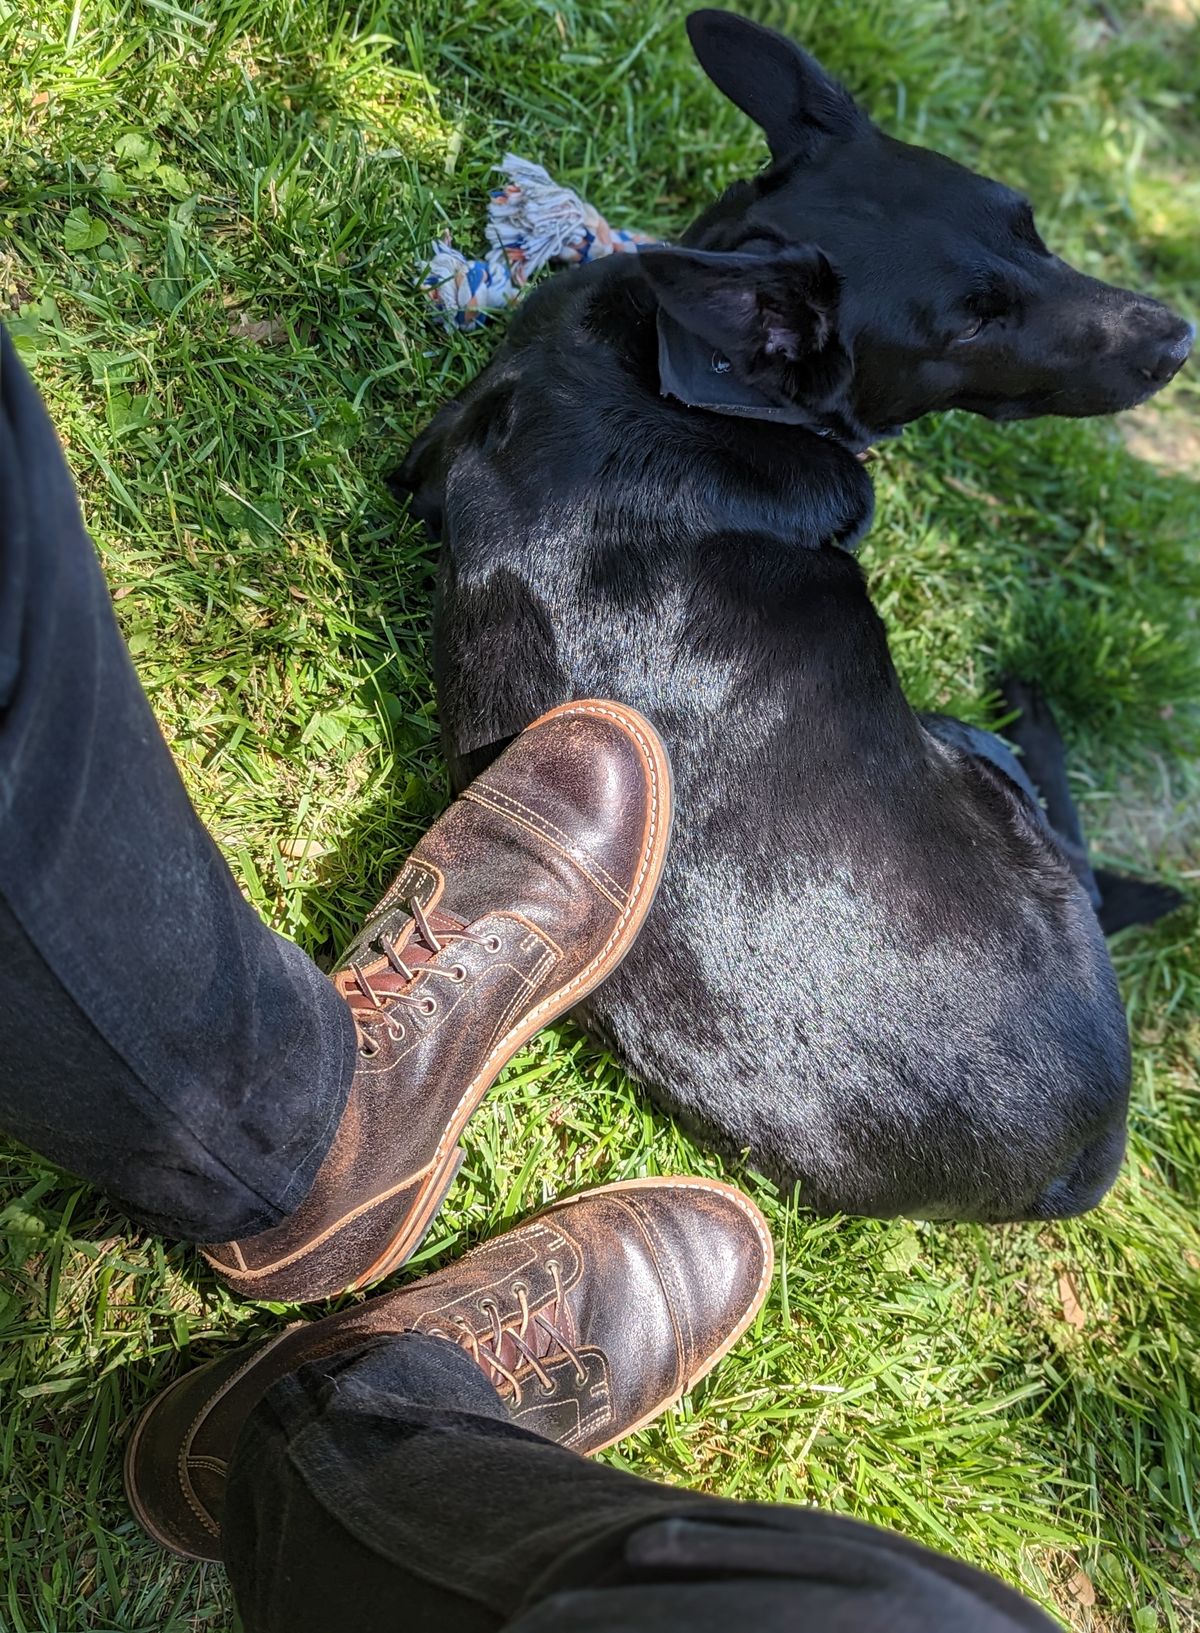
point(975, 327)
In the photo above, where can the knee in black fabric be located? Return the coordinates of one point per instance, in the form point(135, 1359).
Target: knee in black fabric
point(778, 1570)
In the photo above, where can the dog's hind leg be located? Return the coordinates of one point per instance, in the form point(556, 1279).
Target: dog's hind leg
point(1119, 899)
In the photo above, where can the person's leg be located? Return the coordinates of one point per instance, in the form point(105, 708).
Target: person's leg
point(363, 1411)
point(391, 1480)
point(155, 1036)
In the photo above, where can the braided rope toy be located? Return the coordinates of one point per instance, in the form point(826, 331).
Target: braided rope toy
point(531, 221)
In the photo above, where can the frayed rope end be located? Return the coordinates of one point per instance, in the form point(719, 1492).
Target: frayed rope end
point(532, 220)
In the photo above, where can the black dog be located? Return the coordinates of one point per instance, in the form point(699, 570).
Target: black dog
point(874, 965)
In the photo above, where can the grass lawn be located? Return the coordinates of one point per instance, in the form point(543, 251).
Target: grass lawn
point(210, 215)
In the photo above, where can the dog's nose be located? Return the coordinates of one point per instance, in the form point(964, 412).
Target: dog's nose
point(1170, 354)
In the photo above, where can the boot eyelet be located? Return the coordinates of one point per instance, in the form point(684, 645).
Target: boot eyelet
point(542, 1390)
point(428, 1006)
point(492, 944)
point(458, 972)
point(368, 1054)
point(395, 1031)
point(520, 1287)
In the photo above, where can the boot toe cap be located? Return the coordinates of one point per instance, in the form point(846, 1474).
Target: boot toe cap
point(716, 1260)
point(597, 775)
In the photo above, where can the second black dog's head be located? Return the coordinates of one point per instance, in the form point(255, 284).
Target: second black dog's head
point(867, 282)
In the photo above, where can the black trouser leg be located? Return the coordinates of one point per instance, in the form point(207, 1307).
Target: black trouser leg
point(155, 1037)
point(388, 1490)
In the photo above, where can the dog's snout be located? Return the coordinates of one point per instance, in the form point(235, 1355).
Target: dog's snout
point(1183, 342)
point(1167, 350)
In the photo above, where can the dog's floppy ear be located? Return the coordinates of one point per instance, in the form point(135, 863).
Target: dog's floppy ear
point(421, 479)
point(769, 77)
point(774, 317)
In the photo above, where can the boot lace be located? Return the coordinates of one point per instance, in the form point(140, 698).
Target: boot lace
point(387, 1000)
point(535, 1336)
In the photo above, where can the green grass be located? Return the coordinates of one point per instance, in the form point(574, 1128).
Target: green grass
point(209, 217)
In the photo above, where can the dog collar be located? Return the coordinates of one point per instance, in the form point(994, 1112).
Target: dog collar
point(699, 377)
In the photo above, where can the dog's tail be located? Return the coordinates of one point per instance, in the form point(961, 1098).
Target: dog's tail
point(1125, 900)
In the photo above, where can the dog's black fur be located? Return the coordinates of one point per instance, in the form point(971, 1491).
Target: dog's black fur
point(872, 965)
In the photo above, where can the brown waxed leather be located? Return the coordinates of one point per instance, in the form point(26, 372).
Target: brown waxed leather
point(625, 1297)
point(517, 902)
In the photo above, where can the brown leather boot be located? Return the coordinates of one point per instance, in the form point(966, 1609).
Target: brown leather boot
point(524, 896)
point(590, 1320)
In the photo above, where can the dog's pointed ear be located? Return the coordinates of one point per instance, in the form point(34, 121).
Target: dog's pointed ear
point(784, 90)
point(775, 318)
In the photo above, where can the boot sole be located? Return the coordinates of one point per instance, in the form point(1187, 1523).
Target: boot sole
point(139, 1510)
point(132, 1496)
point(409, 1239)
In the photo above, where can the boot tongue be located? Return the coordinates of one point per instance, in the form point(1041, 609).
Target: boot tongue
point(413, 950)
point(543, 1344)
